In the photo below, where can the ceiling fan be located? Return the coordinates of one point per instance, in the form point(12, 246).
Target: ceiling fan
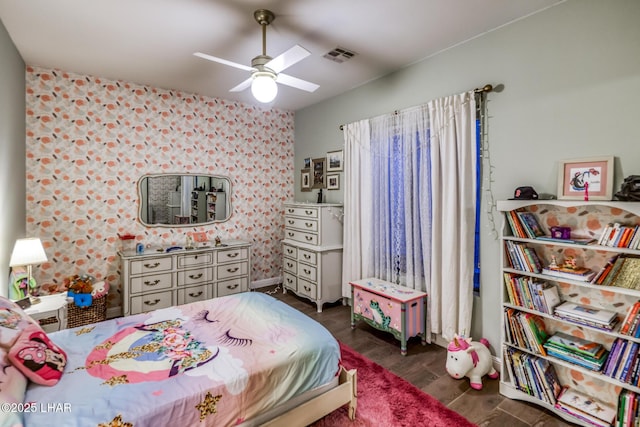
point(266, 71)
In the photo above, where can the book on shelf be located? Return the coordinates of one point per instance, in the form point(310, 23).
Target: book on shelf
point(620, 236)
point(521, 257)
point(575, 344)
point(580, 274)
point(532, 375)
point(586, 408)
point(632, 315)
point(530, 224)
point(574, 240)
point(596, 315)
point(629, 274)
point(628, 409)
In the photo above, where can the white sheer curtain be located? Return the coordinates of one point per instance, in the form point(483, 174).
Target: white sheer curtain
point(410, 205)
point(357, 262)
point(453, 187)
point(186, 186)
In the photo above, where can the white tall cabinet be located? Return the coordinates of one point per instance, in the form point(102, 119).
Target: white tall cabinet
point(312, 249)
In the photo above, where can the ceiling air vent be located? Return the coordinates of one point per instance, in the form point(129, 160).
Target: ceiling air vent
point(339, 54)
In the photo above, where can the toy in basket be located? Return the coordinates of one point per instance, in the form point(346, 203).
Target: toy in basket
point(89, 303)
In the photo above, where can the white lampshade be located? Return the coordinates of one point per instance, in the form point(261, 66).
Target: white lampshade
point(27, 252)
point(264, 87)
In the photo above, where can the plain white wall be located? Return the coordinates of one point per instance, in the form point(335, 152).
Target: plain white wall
point(12, 152)
point(571, 77)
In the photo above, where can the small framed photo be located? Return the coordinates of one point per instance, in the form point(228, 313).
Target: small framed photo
point(334, 161)
point(307, 163)
point(333, 181)
point(586, 179)
point(318, 170)
point(305, 179)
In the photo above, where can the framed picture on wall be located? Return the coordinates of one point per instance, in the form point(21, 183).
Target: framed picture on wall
point(318, 171)
point(586, 179)
point(305, 179)
point(307, 163)
point(334, 161)
point(333, 181)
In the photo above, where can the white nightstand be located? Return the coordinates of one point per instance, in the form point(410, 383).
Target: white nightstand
point(50, 312)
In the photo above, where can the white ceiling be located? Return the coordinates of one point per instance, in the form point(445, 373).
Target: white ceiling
point(152, 42)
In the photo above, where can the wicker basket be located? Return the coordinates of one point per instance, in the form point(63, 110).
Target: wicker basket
point(80, 316)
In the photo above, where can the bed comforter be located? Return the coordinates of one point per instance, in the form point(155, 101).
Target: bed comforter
point(218, 362)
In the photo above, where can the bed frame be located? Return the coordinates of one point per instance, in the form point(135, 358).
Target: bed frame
point(345, 392)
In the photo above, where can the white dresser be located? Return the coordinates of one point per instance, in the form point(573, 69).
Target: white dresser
point(312, 249)
point(154, 280)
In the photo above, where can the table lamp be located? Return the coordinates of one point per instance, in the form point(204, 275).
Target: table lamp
point(27, 252)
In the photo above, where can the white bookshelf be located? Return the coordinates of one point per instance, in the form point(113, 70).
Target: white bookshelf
point(586, 219)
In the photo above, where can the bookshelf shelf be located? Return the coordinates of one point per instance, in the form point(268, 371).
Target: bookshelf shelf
point(586, 220)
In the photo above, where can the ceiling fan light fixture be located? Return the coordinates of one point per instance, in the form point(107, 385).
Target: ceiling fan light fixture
point(264, 87)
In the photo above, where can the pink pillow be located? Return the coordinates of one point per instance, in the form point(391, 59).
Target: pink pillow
point(12, 321)
point(12, 389)
point(37, 357)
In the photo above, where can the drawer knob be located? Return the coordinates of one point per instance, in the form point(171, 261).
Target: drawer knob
point(289, 265)
point(308, 289)
point(289, 280)
point(307, 256)
point(150, 283)
point(231, 287)
point(154, 302)
point(291, 222)
point(306, 271)
point(308, 224)
point(291, 210)
point(308, 212)
point(154, 265)
point(195, 295)
point(289, 251)
point(233, 270)
point(233, 255)
point(290, 234)
point(308, 237)
point(195, 276)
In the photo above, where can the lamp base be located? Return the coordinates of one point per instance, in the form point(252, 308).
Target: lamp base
point(34, 300)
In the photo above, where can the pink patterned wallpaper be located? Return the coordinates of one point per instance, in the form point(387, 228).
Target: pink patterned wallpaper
point(89, 139)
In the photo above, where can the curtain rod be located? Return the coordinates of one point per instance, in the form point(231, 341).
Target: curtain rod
point(484, 89)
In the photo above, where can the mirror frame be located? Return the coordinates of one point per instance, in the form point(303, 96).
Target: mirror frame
point(229, 207)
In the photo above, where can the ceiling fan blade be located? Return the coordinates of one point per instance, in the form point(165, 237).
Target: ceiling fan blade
point(296, 82)
point(242, 86)
point(222, 61)
point(288, 58)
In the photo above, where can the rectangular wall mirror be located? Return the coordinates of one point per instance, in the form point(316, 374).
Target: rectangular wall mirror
point(174, 200)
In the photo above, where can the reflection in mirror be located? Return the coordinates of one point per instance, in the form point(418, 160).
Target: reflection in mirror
point(170, 200)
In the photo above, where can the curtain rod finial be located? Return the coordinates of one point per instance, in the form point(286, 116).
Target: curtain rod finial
point(485, 88)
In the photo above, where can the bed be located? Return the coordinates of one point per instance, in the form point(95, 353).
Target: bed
point(245, 359)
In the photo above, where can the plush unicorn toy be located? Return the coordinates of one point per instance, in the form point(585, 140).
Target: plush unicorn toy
point(466, 358)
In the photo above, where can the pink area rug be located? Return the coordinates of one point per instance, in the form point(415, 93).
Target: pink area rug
point(386, 400)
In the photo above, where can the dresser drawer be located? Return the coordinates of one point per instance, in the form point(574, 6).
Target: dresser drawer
point(307, 289)
point(290, 266)
point(150, 282)
point(192, 260)
point(308, 256)
point(306, 212)
point(308, 272)
point(301, 236)
point(228, 255)
point(195, 276)
point(150, 265)
point(232, 270)
point(229, 287)
point(151, 301)
point(290, 251)
point(301, 223)
point(193, 294)
point(290, 281)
